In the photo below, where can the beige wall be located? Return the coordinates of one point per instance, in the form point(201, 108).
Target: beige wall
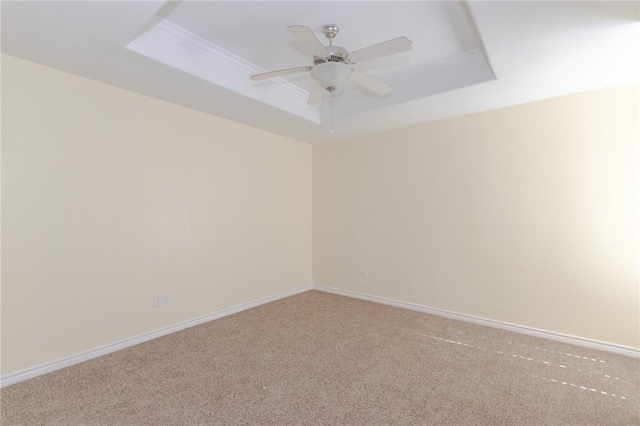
point(527, 215)
point(110, 197)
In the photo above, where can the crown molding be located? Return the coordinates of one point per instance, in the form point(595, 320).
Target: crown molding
point(224, 57)
point(174, 46)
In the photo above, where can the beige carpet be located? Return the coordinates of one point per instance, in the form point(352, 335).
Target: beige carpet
point(317, 358)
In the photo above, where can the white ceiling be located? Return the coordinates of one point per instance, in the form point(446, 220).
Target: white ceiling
point(467, 56)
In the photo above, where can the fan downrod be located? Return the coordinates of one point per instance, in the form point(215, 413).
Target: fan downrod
point(334, 53)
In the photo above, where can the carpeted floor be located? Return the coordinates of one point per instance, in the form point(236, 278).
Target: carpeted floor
point(317, 358)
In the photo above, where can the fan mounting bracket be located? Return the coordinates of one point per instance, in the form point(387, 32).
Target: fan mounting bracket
point(330, 30)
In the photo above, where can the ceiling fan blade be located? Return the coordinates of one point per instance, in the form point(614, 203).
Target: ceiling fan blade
point(311, 44)
point(316, 95)
point(389, 47)
point(371, 83)
point(278, 73)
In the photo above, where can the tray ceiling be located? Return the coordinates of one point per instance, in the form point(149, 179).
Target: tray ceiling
point(467, 56)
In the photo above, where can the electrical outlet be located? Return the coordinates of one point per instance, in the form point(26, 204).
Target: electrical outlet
point(157, 300)
point(161, 299)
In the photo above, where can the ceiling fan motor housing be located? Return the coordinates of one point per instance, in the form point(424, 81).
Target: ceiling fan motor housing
point(334, 54)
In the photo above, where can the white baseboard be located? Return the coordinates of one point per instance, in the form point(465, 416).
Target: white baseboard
point(564, 338)
point(116, 346)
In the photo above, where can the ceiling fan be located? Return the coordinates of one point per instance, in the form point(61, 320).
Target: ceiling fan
point(332, 65)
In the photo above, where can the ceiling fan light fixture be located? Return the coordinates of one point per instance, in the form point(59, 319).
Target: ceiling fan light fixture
point(332, 64)
point(330, 75)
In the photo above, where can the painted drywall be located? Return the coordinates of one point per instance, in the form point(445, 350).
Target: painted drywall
point(110, 197)
point(527, 215)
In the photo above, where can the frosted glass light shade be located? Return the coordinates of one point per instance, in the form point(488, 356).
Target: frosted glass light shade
point(330, 74)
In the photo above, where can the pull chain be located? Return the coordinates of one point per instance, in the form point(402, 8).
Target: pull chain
point(331, 111)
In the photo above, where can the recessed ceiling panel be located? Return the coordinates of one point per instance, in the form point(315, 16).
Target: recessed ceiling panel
point(225, 42)
point(201, 54)
point(257, 31)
